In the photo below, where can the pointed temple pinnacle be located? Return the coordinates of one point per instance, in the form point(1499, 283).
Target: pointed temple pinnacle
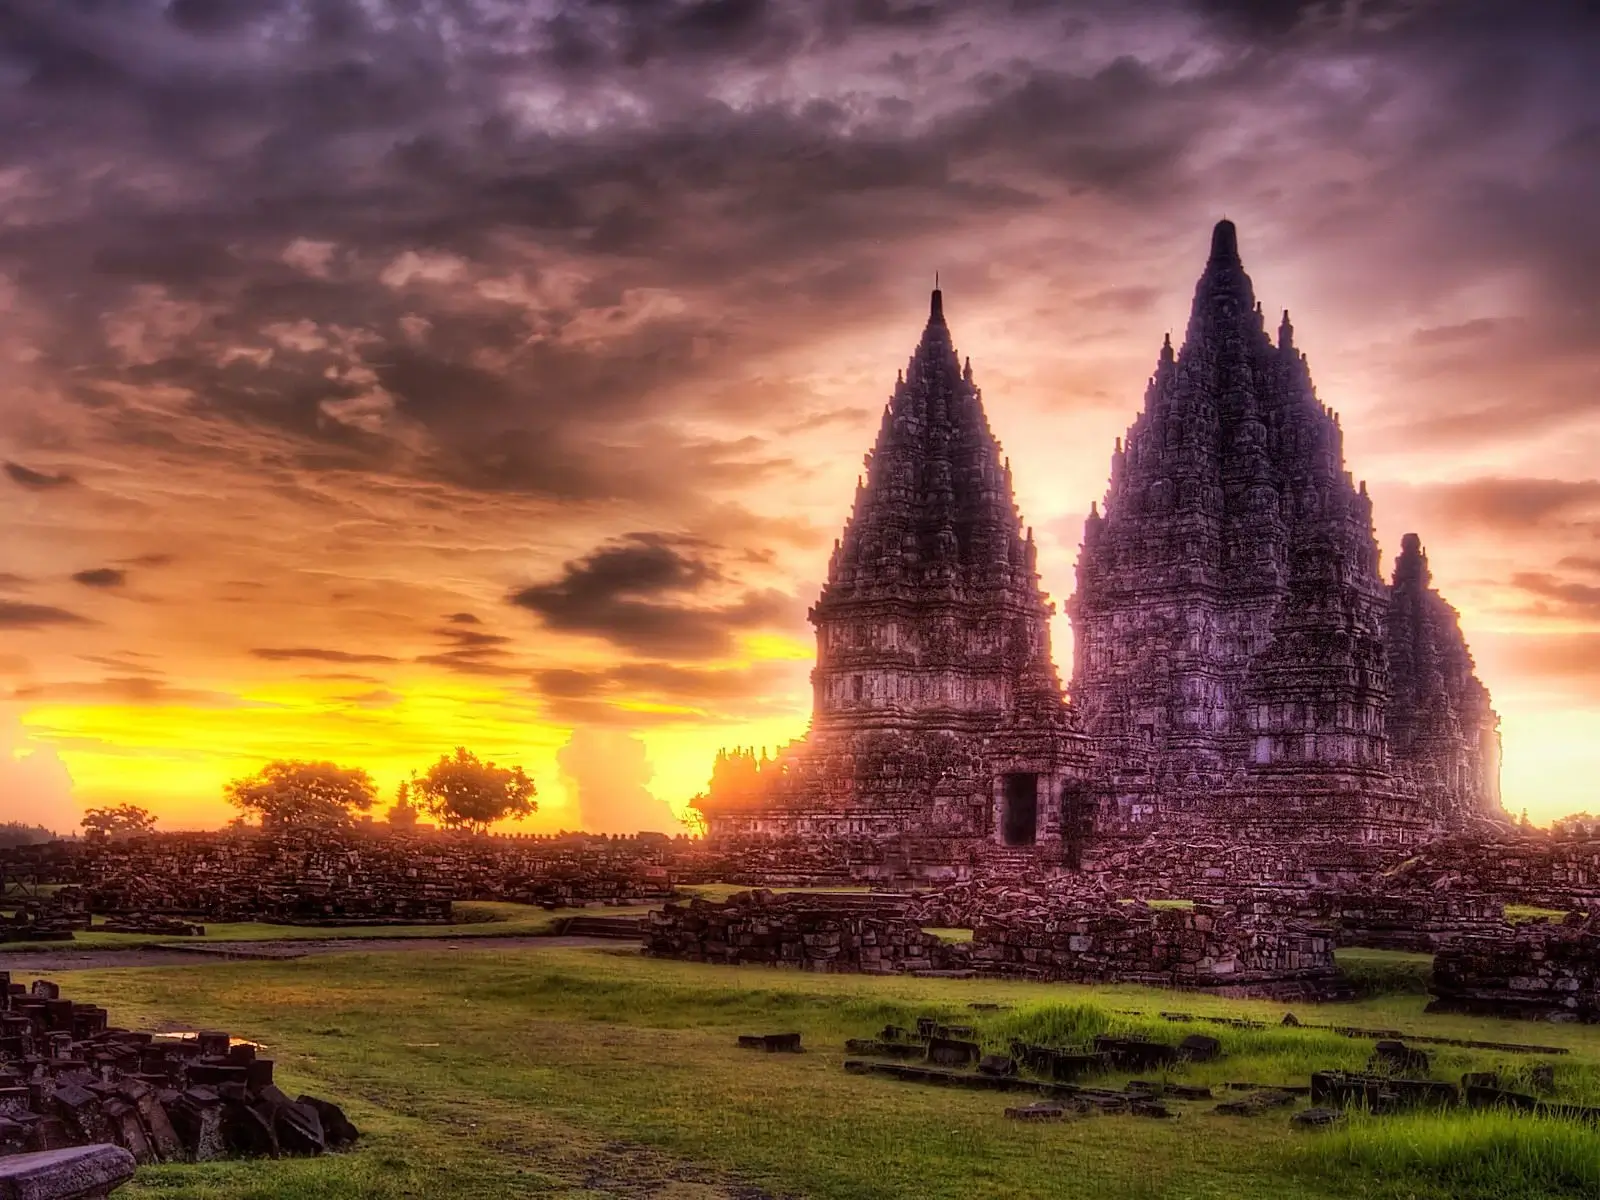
point(936, 309)
point(1285, 332)
point(1225, 242)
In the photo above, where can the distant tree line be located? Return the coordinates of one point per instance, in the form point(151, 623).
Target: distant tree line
point(460, 791)
point(15, 833)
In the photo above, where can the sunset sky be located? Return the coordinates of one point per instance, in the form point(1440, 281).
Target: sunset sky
point(378, 376)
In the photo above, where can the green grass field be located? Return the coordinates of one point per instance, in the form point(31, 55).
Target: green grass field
point(474, 918)
point(598, 1073)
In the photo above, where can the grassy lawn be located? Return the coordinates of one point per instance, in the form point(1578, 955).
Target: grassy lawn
point(584, 1073)
point(474, 918)
point(1518, 914)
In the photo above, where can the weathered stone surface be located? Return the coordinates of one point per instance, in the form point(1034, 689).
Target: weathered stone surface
point(1254, 1103)
point(1240, 662)
point(160, 1099)
point(1233, 633)
point(937, 707)
point(1538, 970)
point(79, 1173)
point(1204, 947)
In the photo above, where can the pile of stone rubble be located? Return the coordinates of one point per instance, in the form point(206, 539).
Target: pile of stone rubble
point(69, 1078)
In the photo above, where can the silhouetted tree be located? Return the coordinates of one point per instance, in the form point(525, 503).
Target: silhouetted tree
point(463, 792)
point(289, 793)
point(402, 813)
point(122, 820)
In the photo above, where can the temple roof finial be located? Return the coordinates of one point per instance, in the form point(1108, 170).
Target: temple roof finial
point(1225, 242)
point(936, 309)
point(1285, 332)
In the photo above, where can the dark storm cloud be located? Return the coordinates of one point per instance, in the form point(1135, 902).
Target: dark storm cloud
point(635, 593)
point(512, 392)
point(1555, 596)
point(101, 577)
point(16, 615)
point(612, 695)
point(38, 480)
point(469, 652)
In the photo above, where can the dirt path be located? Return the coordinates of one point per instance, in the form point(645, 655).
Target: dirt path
point(58, 957)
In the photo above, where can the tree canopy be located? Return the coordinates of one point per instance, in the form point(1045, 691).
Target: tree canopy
point(402, 813)
point(462, 792)
point(121, 820)
point(287, 793)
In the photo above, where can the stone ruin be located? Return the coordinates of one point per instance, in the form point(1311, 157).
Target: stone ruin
point(69, 1078)
point(1208, 948)
point(1069, 1078)
point(1214, 948)
point(165, 883)
point(1241, 666)
point(828, 934)
point(1539, 970)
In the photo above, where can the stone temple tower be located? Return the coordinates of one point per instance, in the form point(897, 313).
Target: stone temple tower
point(936, 702)
point(932, 616)
point(1231, 624)
point(1443, 732)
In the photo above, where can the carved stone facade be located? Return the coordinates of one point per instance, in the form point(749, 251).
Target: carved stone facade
point(1240, 662)
point(1239, 657)
point(1442, 729)
point(936, 703)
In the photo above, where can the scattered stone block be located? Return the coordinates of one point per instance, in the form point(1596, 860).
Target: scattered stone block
point(77, 1173)
point(1380, 1093)
point(1135, 1054)
point(1255, 1103)
point(1396, 1056)
point(1197, 1047)
point(953, 1052)
point(772, 1043)
point(1042, 1111)
point(1317, 1118)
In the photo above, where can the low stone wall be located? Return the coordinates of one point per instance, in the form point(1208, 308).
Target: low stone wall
point(1208, 947)
point(1416, 920)
point(1538, 971)
point(795, 930)
point(1205, 947)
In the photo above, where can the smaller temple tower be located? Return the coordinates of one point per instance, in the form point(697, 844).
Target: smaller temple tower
point(936, 704)
point(1443, 732)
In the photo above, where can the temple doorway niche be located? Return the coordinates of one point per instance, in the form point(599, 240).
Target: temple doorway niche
point(1076, 822)
point(1019, 809)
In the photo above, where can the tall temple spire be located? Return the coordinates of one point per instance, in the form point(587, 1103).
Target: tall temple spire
point(1225, 242)
point(1224, 299)
point(936, 309)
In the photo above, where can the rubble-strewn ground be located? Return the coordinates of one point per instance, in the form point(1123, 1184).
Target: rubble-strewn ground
point(596, 1073)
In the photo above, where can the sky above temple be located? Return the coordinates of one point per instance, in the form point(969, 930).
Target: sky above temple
point(378, 376)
